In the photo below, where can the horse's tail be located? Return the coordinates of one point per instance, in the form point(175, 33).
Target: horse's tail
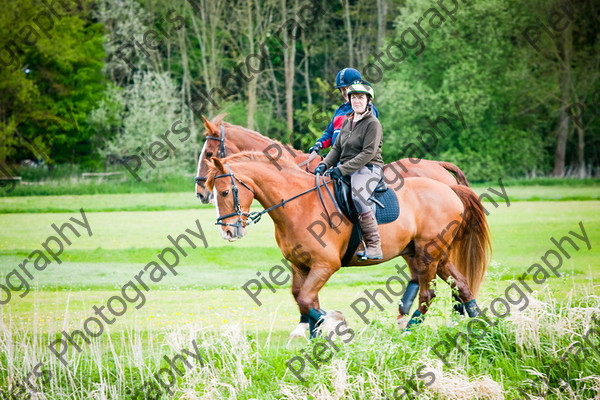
point(471, 248)
point(458, 174)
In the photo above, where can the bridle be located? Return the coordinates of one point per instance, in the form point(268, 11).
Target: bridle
point(236, 202)
point(220, 152)
point(255, 216)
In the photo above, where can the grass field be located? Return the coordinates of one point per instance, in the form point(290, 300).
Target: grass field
point(245, 347)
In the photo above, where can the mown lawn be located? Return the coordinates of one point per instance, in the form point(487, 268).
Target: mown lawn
point(187, 200)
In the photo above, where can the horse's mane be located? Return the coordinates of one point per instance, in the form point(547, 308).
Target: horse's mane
point(250, 156)
point(218, 120)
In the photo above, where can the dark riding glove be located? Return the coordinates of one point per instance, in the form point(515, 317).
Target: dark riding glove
point(321, 168)
point(335, 173)
point(316, 147)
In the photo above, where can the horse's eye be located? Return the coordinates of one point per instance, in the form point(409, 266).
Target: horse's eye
point(209, 154)
point(224, 193)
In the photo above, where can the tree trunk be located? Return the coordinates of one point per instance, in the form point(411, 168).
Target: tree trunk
point(381, 22)
point(201, 37)
point(210, 19)
point(289, 58)
point(348, 26)
point(214, 22)
point(580, 152)
point(186, 82)
point(306, 50)
point(561, 141)
point(563, 124)
point(252, 83)
point(278, 109)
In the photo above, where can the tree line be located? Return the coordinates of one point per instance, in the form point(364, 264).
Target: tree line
point(94, 82)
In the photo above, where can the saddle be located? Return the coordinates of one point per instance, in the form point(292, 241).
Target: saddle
point(383, 202)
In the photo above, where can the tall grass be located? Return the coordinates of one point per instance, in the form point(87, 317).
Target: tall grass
point(518, 352)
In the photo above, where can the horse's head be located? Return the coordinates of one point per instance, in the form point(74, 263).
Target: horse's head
point(232, 194)
point(215, 145)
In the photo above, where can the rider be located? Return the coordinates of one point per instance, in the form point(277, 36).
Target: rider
point(343, 79)
point(358, 152)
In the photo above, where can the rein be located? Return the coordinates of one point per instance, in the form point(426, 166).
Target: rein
point(308, 161)
point(255, 216)
point(332, 199)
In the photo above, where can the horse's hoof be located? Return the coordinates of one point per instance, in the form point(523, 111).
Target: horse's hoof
point(331, 320)
point(335, 315)
point(402, 321)
point(299, 331)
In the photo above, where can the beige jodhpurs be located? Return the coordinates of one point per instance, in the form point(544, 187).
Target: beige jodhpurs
point(363, 182)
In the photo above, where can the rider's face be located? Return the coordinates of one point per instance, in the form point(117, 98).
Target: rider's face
point(344, 92)
point(359, 102)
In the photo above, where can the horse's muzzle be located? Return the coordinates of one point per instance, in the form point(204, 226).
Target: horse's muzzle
point(205, 197)
point(233, 233)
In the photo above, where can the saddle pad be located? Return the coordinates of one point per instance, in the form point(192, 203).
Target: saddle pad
point(391, 211)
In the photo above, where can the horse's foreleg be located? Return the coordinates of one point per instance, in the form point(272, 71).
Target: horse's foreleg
point(309, 295)
point(298, 277)
point(316, 304)
point(446, 270)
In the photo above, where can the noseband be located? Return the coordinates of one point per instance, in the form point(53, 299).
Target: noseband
point(236, 203)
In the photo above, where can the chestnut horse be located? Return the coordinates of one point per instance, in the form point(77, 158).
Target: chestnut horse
point(429, 209)
point(223, 139)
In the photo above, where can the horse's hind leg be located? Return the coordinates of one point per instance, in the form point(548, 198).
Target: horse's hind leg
point(458, 306)
point(446, 270)
point(412, 289)
point(425, 274)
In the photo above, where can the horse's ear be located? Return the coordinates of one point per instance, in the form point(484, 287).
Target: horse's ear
point(215, 167)
point(218, 164)
point(210, 127)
